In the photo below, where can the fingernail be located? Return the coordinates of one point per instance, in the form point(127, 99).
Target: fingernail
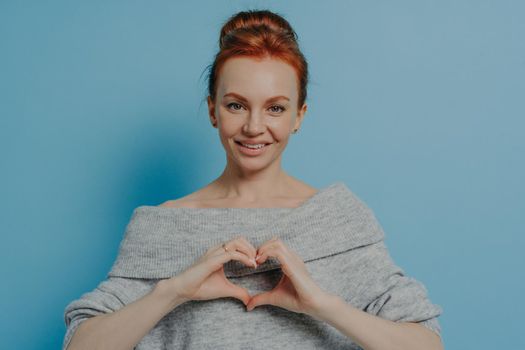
point(254, 263)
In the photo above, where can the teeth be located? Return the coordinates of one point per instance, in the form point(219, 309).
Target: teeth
point(253, 146)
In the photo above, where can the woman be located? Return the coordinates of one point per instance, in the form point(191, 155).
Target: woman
point(309, 266)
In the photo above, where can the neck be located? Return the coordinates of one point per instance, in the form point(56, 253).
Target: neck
point(254, 187)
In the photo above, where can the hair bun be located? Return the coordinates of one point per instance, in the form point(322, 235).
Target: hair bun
point(256, 21)
point(259, 34)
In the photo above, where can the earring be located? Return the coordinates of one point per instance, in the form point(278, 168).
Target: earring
point(295, 130)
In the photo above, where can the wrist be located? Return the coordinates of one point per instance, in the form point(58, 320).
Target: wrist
point(167, 290)
point(327, 306)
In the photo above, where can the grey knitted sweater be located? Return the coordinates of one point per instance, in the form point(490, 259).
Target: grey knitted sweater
point(336, 234)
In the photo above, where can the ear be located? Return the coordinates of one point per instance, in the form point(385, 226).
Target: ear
point(211, 112)
point(300, 116)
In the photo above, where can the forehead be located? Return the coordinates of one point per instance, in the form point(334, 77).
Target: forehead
point(256, 78)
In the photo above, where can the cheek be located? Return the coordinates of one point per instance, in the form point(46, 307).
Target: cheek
point(280, 131)
point(228, 129)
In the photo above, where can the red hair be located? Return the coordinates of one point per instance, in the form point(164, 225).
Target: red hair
point(259, 34)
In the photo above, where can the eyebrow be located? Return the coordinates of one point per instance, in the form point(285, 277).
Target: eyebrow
point(274, 98)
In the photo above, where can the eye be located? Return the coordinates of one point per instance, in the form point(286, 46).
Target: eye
point(233, 104)
point(282, 109)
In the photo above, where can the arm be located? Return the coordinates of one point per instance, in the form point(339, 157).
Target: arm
point(373, 332)
point(124, 328)
point(388, 309)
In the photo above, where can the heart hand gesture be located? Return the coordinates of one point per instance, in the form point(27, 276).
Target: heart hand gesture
point(205, 279)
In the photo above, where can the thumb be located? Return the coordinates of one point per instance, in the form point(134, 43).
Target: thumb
point(260, 299)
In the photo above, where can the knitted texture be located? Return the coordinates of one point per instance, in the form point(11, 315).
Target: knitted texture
point(334, 232)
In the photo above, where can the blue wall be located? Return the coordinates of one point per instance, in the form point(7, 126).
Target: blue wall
point(418, 106)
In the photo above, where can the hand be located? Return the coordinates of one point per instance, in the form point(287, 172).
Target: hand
point(296, 291)
point(205, 279)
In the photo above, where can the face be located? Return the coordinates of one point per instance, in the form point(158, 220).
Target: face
point(256, 103)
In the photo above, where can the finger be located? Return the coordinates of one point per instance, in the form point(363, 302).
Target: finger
point(265, 298)
point(275, 252)
point(243, 245)
point(248, 246)
point(291, 265)
point(237, 244)
point(271, 244)
point(286, 260)
point(266, 244)
point(215, 250)
point(224, 257)
point(229, 243)
point(218, 249)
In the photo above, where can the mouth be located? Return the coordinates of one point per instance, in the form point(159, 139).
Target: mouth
point(252, 150)
point(239, 143)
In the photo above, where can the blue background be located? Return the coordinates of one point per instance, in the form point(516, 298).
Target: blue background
point(418, 106)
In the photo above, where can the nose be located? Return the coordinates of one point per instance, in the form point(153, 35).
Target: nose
point(254, 125)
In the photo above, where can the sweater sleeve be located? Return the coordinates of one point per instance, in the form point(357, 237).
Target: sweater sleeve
point(396, 296)
point(110, 295)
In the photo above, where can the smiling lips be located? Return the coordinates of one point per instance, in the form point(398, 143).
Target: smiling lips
point(253, 142)
point(252, 149)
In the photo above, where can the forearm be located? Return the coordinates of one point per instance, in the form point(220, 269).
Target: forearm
point(124, 328)
point(373, 332)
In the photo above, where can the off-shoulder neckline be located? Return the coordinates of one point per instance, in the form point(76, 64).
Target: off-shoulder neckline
point(320, 193)
point(160, 242)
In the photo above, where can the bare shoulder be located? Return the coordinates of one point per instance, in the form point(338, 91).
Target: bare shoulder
point(191, 200)
point(179, 203)
point(173, 203)
point(309, 190)
point(302, 189)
